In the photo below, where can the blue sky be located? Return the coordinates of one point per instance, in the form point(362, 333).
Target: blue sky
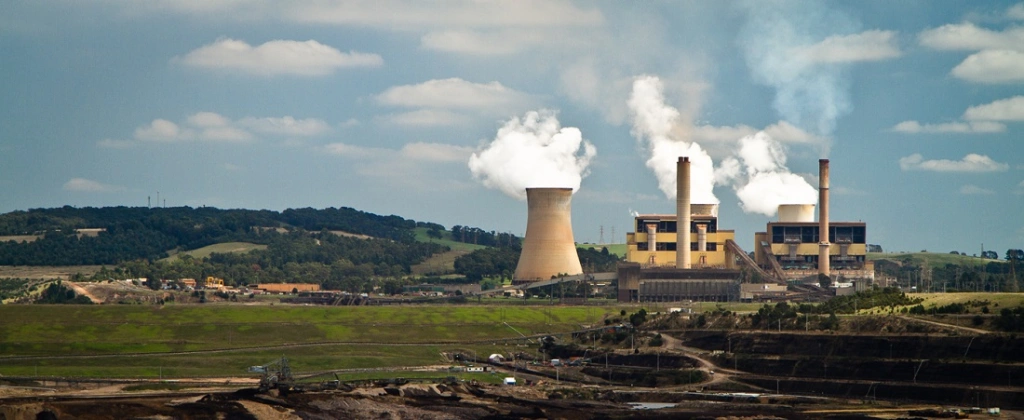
point(380, 105)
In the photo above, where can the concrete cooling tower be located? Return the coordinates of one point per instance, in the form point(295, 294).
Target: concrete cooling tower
point(802, 213)
point(549, 248)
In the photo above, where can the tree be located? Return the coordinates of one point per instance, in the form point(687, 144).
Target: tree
point(990, 255)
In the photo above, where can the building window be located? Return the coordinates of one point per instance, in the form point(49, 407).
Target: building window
point(641, 246)
point(666, 246)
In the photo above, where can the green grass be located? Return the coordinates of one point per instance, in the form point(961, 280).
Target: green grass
point(222, 248)
point(1003, 300)
point(446, 239)
point(127, 341)
point(934, 259)
point(439, 264)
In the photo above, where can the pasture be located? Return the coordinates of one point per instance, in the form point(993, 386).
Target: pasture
point(221, 248)
point(222, 340)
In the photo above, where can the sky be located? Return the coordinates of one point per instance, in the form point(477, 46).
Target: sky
point(444, 111)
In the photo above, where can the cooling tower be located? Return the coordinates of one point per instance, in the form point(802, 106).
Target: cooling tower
point(683, 213)
point(823, 245)
point(704, 210)
point(796, 213)
point(549, 248)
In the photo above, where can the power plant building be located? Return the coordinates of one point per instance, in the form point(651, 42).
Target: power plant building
point(794, 249)
point(654, 242)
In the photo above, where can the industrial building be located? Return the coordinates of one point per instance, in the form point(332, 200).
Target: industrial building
point(668, 264)
point(793, 249)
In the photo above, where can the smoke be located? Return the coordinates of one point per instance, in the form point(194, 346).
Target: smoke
point(663, 132)
point(809, 93)
point(759, 175)
point(534, 151)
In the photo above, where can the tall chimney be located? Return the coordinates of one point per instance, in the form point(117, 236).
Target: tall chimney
point(549, 248)
point(683, 213)
point(823, 244)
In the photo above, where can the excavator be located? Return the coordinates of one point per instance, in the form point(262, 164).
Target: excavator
point(276, 375)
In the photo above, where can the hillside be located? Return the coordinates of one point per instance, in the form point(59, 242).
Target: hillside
point(934, 259)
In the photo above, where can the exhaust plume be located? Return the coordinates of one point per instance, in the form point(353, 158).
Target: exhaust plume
point(809, 93)
point(759, 175)
point(663, 132)
point(533, 151)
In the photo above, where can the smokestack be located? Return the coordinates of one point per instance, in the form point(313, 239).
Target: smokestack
point(823, 245)
point(683, 213)
point(549, 248)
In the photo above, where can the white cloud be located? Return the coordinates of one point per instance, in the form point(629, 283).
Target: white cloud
point(87, 185)
point(501, 42)
point(286, 126)
point(970, 189)
point(968, 37)
point(453, 93)
point(159, 130)
point(874, 45)
point(115, 144)
point(410, 152)
point(412, 14)
point(782, 131)
point(1009, 109)
point(1016, 11)
point(305, 58)
point(970, 163)
point(425, 118)
point(1020, 188)
point(992, 66)
point(436, 152)
point(972, 127)
point(213, 127)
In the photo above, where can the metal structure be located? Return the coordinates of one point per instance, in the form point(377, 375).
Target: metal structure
point(802, 213)
point(549, 248)
point(276, 375)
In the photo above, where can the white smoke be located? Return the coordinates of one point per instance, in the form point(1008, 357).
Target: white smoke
point(808, 93)
point(759, 175)
point(534, 151)
point(663, 133)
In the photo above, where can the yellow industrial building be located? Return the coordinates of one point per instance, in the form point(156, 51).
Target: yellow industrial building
point(653, 243)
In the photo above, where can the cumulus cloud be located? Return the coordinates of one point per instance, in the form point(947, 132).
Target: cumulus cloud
point(278, 57)
point(410, 152)
point(213, 127)
point(782, 131)
point(971, 127)
point(410, 14)
point(90, 186)
point(448, 101)
point(485, 43)
point(453, 93)
point(1009, 109)
point(1016, 11)
point(874, 45)
point(968, 37)
point(970, 189)
point(992, 66)
point(970, 163)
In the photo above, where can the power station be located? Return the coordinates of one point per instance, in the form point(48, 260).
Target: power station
point(689, 256)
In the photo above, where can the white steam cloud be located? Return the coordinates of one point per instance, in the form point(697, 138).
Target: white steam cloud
point(780, 40)
point(664, 133)
point(760, 178)
point(533, 151)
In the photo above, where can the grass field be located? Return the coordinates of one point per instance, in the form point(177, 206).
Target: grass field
point(446, 239)
point(139, 341)
point(442, 263)
point(934, 259)
point(222, 248)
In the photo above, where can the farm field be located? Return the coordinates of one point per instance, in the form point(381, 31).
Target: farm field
point(221, 248)
point(217, 340)
point(45, 272)
point(934, 259)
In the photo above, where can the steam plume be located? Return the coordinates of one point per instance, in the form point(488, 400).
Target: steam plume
point(663, 132)
point(808, 93)
point(760, 176)
point(534, 151)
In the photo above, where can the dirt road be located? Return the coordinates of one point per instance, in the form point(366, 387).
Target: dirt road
point(81, 291)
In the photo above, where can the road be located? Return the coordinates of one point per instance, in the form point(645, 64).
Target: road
point(81, 291)
point(945, 325)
